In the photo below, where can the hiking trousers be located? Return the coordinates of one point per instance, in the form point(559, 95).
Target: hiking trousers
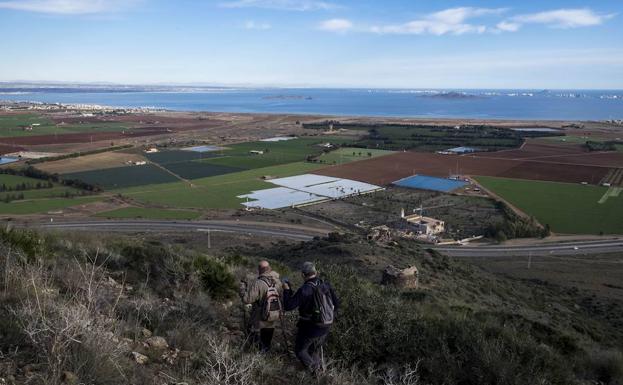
point(308, 350)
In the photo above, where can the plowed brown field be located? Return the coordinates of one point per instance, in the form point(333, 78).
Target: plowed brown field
point(387, 169)
point(6, 149)
point(556, 153)
point(83, 137)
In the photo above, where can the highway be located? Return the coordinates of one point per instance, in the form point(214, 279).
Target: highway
point(560, 248)
point(304, 233)
point(293, 232)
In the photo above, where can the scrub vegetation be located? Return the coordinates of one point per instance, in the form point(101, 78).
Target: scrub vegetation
point(113, 310)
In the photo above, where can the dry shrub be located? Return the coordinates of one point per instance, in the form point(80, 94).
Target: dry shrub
point(71, 331)
point(222, 364)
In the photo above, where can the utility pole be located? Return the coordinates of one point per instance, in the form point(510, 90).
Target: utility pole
point(529, 259)
point(209, 240)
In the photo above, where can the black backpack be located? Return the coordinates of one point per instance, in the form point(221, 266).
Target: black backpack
point(323, 311)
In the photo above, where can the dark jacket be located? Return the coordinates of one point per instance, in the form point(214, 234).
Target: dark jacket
point(303, 299)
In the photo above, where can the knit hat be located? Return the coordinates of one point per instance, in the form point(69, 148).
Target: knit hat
point(308, 268)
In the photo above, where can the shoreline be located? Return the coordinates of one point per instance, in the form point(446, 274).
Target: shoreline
point(11, 105)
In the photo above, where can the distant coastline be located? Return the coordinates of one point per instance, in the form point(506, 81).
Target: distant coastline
point(409, 103)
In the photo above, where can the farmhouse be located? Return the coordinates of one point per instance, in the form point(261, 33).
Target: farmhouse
point(256, 152)
point(424, 225)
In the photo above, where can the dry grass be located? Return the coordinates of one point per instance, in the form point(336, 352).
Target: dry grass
point(89, 162)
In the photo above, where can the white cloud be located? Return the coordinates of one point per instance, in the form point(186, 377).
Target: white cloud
point(507, 26)
point(449, 21)
point(336, 25)
point(69, 7)
point(564, 18)
point(257, 26)
point(284, 5)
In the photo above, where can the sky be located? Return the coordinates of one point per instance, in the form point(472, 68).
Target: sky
point(528, 44)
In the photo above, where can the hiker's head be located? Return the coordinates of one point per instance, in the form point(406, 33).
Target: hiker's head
point(263, 267)
point(308, 270)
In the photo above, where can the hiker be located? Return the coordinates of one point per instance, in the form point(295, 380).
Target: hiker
point(265, 296)
point(317, 304)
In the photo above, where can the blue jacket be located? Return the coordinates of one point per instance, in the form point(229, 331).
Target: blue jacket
point(303, 299)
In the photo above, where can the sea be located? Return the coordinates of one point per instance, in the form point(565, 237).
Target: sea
point(475, 104)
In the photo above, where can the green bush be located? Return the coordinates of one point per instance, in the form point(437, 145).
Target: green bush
point(378, 326)
point(216, 278)
point(26, 241)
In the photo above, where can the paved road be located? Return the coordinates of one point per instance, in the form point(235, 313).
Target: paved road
point(293, 232)
point(303, 233)
point(562, 248)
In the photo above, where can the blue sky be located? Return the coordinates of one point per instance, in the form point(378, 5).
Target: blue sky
point(324, 43)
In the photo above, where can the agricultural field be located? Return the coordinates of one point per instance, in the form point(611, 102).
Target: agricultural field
point(387, 169)
point(101, 160)
point(19, 188)
point(566, 208)
point(350, 154)
point(274, 153)
point(196, 170)
point(13, 126)
point(121, 177)
point(213, 192)
point(148, 213)
point(165, 157)
point(431, 137)
point(43, 205)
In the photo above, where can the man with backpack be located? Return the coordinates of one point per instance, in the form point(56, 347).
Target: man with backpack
point(317, 304)
point(264, 295)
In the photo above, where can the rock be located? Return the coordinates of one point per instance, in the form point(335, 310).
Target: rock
point(146, 332)
point(69, 378)
point(403, 278)
point(380, 234)
point(140, 359)
point(156, 342)
point(170, 356)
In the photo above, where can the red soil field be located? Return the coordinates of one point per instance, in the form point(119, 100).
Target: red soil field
point(83, 137)
point(5, 149)
point(387, 169)
point(557, 153)
point(534, 150)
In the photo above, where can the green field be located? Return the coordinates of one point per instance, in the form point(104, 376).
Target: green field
point(42, 205)
point(11, 181)
point(275, 153)
point(214, 192)
point(13, 186)
point(567, 208)
point(121, 177)
point(429, 137)
point(149, 213)
point(13, 126)
point(196, 170)
point(174, 156)
point(350, 154)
